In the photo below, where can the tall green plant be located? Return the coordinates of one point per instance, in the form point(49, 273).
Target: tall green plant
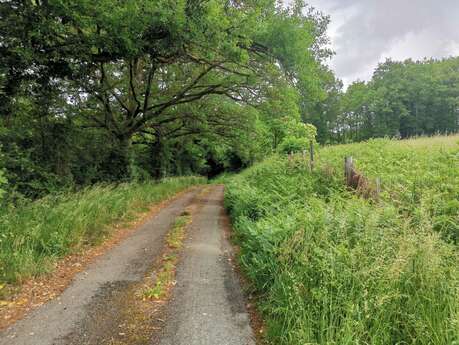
point(3, 182)
point(32, 237)
point(332, 268)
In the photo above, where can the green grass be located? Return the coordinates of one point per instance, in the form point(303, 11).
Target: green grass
point(165, 275)
point(222, 178)
point(332, 268)
point(419, 176)
point(34, 236)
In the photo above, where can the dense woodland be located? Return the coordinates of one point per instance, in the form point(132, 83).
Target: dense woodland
point(112, 91)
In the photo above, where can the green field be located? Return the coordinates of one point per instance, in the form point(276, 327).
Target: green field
point(331, 267)
point(34, 236)
point(419, 176)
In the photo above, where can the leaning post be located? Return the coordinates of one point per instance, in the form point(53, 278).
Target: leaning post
point(348, 168)
point(311, 154)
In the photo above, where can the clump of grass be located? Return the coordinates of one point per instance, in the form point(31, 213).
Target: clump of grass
point(34, 236)
point(333, 268)
point(164, 279)
point(175, 237)
point(165, 275)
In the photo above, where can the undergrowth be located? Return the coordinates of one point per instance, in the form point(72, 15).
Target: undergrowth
point(34, 236)
point(332, 268)
point(418, 176)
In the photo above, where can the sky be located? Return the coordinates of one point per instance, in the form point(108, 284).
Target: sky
point(365, 32)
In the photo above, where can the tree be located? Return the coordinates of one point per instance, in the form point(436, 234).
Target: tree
point(112, 90)
point(403, 99)
point(127, 66)
point(323, 111)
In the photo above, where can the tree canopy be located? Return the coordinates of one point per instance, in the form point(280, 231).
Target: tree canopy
point(112, 91)
point(109, 90)
point(403, 99)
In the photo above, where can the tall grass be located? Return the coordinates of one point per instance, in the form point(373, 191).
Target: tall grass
point(332, 268)
point(419, 176)
point(32, 237)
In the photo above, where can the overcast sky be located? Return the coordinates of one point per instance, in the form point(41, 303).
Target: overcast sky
point(365, 32)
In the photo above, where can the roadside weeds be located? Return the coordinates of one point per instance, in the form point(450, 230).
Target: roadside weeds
point(18, 301)
point(256, 321)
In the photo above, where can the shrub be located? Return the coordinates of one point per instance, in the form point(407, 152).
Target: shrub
point(293, 145)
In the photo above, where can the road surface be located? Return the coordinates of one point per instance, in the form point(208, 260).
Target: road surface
point(206, 307)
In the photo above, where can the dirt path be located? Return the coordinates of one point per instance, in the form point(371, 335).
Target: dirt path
point(121, 266)
point(207, 305)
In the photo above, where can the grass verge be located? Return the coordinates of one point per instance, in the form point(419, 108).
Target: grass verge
point(33, 237)
point(332, 268)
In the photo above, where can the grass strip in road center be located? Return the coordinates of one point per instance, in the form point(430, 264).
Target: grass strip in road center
point(159, 287)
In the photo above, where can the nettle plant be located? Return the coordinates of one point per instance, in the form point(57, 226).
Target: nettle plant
point(3, 179)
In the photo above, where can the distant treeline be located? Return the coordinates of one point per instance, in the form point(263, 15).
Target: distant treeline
point(403, 99)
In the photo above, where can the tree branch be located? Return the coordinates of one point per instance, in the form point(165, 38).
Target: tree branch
point(148, 86)
point(132, 87)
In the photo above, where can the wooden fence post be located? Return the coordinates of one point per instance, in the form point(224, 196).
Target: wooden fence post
point(348, 169)
point(378, 187)
point(311, 154)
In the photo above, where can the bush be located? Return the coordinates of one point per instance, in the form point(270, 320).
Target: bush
point(293, 145)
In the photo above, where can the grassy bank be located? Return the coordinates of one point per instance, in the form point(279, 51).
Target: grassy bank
point(34, 236)
point(419, 176)
point(333, 268)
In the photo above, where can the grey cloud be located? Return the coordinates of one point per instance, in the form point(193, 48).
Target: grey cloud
point(365, 32)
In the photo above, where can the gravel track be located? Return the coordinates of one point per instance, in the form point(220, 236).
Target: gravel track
point(207, 306)
point(56, 321)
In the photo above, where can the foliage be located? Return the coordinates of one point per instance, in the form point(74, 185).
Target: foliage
point(281, 108)
point(301, 130)
point(3, 179)
point(33, 236)
point(333, 268)
point(3, 182)
point(403, 99)
point(117, 91)
point(323, 111)
point(293, 145)
point(299, 137)
point(419, 176)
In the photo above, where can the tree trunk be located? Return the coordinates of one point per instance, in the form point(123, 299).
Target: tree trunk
point(160, 157)
point(120, 160)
